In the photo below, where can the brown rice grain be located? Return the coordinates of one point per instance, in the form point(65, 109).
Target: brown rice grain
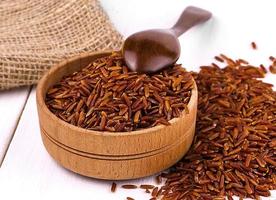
point(113, 187)
point(129, 186)
point(254, 45)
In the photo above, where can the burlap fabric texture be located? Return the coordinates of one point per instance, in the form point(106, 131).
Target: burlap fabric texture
point(35, 34)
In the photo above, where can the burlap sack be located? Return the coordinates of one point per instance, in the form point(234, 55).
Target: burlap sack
point(36, 34)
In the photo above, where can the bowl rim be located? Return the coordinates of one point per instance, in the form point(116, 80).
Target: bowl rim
point(41, 102)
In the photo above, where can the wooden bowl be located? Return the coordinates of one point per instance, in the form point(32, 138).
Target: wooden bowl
point(108, 155)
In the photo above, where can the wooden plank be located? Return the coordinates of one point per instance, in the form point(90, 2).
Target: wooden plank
point(11, 105)
point(32, 173)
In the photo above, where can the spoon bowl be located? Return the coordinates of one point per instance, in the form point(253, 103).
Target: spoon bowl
point(152, 50)
point(162, 46)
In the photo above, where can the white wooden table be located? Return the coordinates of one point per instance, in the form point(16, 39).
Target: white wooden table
point(27, 171)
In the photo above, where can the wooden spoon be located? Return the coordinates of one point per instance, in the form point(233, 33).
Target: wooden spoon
point(152, 50)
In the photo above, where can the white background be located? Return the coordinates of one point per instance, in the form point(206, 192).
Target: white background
point(28, 172)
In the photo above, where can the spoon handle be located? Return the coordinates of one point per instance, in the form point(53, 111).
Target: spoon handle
point(190, 17)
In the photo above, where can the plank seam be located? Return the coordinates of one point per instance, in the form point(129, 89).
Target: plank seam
point(16, 125)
